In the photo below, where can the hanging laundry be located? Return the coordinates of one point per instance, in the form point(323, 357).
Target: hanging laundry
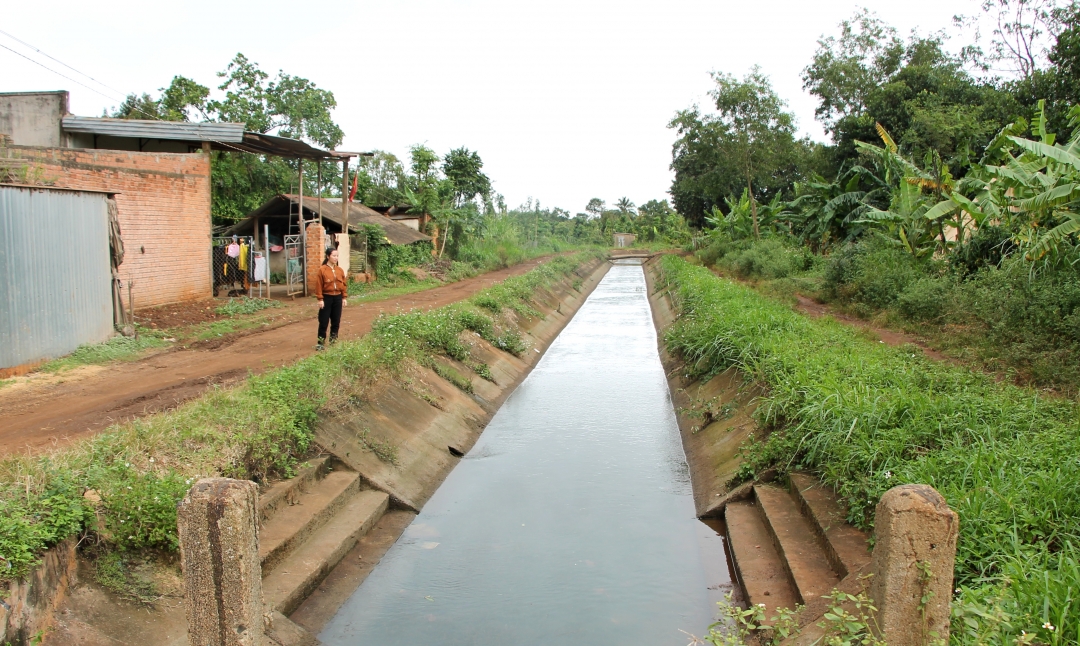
point(260, 269)
point(243, 257)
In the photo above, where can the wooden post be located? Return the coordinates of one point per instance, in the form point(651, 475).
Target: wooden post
point(303, 224)
point(345, 195)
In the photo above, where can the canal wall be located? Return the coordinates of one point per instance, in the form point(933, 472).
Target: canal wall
point(715, 415)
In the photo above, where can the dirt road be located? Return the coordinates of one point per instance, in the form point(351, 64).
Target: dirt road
point(813, 309)
point(40, 413)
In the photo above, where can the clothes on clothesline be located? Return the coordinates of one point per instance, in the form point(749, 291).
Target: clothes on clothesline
point(260, 269)
point(243, 257)
point(233, 250)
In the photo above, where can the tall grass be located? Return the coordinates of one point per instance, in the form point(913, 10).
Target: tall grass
point(125, 483)
point(867, 417)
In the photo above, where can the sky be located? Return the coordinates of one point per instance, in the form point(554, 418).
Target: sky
point(563, 100)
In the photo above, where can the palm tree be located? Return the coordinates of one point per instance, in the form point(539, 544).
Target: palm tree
point(625, 207)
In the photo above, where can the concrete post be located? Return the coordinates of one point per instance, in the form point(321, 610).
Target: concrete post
point(219, 553)
point(914, 550)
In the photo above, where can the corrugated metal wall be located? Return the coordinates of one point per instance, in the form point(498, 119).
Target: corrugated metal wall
point(54, 273)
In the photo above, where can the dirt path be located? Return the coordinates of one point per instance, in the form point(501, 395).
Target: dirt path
point(44, 413)
point(813, 309)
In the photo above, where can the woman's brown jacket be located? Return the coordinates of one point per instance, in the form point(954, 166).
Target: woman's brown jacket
point(331, 281)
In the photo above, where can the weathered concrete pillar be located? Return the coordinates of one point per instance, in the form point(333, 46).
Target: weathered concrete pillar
point(219, 554)
point(914, 549)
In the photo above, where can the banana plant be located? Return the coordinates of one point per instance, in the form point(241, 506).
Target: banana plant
point(824, 211)
point(915, 219)
point(1032, 187)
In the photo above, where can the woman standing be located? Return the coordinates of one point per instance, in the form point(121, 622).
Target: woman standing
point(331, 290)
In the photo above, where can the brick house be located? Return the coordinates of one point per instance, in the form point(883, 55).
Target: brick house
point(159, 172)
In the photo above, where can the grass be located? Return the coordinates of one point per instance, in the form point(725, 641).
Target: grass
point(367, 292)
point(245, 305)
point(261, 429)
point(118, 348)
point(1001, 317)
point(866, 417)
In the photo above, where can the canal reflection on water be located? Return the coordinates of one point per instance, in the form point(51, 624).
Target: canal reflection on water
point(570, 522)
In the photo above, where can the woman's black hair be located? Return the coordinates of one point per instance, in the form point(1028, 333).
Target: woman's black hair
point(328, 252)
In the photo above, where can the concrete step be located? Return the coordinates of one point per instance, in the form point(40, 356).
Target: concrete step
point(759, 569)
point(286, 491)
point(844, 545)
point(796, 544)
point(288, 584)
point(293, 523)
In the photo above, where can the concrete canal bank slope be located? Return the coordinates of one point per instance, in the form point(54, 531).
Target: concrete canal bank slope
point(787, 545)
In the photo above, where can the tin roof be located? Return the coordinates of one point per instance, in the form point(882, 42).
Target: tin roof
point(220, 136)
point(330, 209)
point(148, 129)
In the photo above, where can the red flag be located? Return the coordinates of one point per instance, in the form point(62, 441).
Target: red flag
point(355, 180)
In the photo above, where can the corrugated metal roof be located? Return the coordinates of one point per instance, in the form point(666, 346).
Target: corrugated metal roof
point(261, 144)
point(55, 276)
point(147, 129)
point(330, 209)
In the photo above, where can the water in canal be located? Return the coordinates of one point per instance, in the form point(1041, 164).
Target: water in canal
point(570, 522)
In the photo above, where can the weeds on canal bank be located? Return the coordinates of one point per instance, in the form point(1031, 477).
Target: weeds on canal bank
point(124, 484)
point(867, 417)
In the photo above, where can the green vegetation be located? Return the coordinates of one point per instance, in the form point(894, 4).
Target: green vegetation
point(123, 485)
point(118, 348)
point(867, 417)
point(948, 203)
point(245, 305)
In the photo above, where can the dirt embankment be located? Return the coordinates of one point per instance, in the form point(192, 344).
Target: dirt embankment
point(46, 411)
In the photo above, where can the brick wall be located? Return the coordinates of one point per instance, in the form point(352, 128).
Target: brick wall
point(316, 248)
point(164, 207)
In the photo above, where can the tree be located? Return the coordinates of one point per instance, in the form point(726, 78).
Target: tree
point(462, 169)
point(1021, 30)
point(183, 97)
point(288, 106)
point(380, 179)
point(595, 207)
point(625, 207)
point(846, 70)
point(424, 164)
point(757, 133)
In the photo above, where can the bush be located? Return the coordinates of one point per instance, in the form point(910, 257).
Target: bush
point(873, 272)
point(927, 299)
point(767, 258)
point(245, 305)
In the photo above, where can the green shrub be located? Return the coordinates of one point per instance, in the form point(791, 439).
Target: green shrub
point(873, 272)
point(926, 299)
point(245, 305)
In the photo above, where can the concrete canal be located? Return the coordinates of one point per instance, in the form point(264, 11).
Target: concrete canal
point(570, 521)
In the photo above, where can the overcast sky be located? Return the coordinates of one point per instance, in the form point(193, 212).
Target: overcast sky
point(564, 100)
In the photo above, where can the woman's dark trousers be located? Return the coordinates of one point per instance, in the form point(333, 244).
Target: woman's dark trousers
point(330, 315)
